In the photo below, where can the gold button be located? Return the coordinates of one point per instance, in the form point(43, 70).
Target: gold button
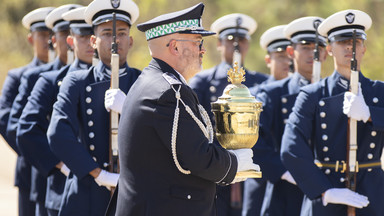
point(284, 100)
point(92, 147)
point(372, 145)
point(373, 133)
point(212, 89)
point(325, 148)
point(284, 110)
point(324, 137)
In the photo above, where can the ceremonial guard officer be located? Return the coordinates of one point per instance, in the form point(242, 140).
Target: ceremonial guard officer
point(38, 37)
point(34, 121)
point(274, 42)
point(234, 34)
point(167, 166)
point(79, 129)
point(315, 138)
point(28, 80)
point(282, 196)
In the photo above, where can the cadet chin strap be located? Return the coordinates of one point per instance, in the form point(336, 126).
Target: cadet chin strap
point(208, 131)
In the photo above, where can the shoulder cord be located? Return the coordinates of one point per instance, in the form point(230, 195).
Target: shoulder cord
point(208, 131)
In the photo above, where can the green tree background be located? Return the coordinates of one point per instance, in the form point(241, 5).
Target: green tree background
point(15, 50)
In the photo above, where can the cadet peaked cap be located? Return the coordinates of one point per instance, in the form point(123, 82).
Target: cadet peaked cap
point(340, 25)
point(235, 24)
point(54, 20)
point(100, 11)
point(274, 40)
point(77, 23)
point(187, 21)
point(35, 20)
point(303, 30)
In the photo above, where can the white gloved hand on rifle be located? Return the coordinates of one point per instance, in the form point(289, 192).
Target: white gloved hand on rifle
point(354, 106)
point(288, 177)
point(107, 179)
point(244, 162)
point(345, 196)
point(65, 170)
point(114, 100)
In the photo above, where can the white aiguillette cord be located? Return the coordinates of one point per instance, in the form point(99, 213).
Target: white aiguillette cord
point(208, 131)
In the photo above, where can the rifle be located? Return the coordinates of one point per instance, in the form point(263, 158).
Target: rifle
point(352, 131)
point(51, 51)
point(114, 116)
point(236, 52)
point(316, 70)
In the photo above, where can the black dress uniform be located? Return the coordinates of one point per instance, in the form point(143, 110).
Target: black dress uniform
point(150, 183)
point(33, 125)
point(28, 175)
point(78, 134)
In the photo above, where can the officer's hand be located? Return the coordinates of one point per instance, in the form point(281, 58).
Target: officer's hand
point(346, 197)
point(65, 170)
point(244, 160)
point(355, 107)
point(107, 179)
point(288, 177)
point(114, 100)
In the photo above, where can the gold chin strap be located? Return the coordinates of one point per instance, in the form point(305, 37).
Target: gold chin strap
point(207, 131)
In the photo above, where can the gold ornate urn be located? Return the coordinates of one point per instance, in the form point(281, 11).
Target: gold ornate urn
point(237, 115)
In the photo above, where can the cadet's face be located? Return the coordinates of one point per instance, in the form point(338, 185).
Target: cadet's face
point(191, 56)
point(278, 63)
point(40, 44)
point(82, 47)
point(103, 38)
point(226, 47)
point(303, 57)
point(342, 53)
point(60, 44)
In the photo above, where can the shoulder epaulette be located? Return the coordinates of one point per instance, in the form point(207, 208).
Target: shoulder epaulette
point(171, 79)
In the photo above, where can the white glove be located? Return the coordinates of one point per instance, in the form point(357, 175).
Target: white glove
point(355, 107)
point(65, 170)
point(107, 179)
point(114, 100)
point(288, 177)
point(346, 197)
point(244, 160)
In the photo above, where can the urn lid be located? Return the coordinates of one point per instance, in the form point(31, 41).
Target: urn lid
point(236, 92)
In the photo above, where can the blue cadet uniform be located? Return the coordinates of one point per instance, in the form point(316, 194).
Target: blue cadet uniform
point(210, 84)
point(272, 40)
point(34, 121)
point(316, 132)
point(154, 179)
point(281, 197)
point(34, 21)
point(79, 129)
point(38, 181)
